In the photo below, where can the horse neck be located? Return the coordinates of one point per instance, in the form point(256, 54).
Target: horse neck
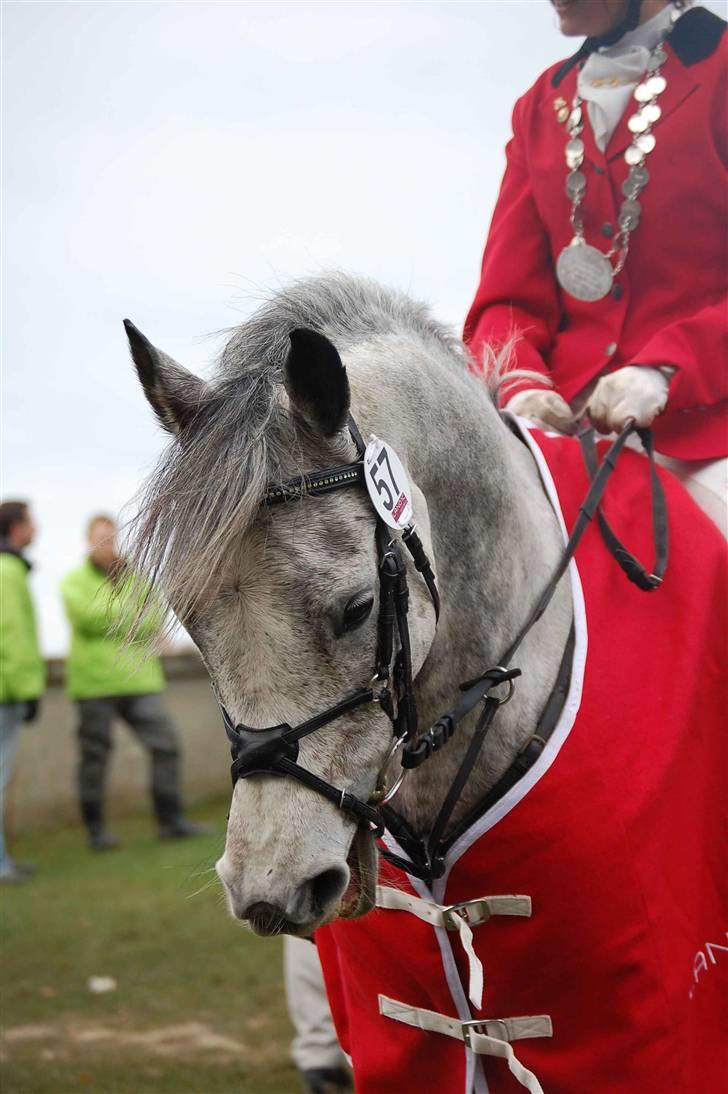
point(496, 543)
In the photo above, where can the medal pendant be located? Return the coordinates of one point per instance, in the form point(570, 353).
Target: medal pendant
point(584, 272)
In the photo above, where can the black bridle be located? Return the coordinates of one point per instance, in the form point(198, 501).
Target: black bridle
point(274, 750)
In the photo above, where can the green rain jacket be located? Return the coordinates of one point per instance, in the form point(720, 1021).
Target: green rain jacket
point(22, 669)
point(101, 662)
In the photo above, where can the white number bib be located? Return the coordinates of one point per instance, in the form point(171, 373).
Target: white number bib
point(387, 484)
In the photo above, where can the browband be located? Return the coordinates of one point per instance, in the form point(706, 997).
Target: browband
point(316, 483)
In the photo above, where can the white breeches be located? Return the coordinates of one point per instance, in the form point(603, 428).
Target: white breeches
point(315, 1044)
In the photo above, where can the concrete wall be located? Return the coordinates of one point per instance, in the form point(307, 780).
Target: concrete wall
point(43, 792)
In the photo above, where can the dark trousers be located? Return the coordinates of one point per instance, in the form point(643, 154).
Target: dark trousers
point(146, 716)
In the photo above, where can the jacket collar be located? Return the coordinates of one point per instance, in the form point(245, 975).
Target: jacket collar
point(696, 36)
point(8, 549)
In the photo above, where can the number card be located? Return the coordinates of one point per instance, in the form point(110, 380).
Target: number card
point(387, 484)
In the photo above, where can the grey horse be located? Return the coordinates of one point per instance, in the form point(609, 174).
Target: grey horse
point(283, 603)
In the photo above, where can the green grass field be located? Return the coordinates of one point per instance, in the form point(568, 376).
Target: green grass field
point(199, 1001)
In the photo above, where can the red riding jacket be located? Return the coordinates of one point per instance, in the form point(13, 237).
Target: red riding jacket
point(606, 955)
point(669, 305)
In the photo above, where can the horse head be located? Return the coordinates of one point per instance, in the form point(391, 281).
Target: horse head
point(283, 605)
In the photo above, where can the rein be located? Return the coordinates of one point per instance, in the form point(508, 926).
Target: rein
point(274, 750)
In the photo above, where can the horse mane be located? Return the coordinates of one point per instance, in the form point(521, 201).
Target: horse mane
point(207, 486)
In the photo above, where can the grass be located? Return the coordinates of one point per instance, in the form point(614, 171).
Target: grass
point(199, 1003)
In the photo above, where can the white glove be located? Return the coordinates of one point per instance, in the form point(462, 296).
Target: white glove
point(544, 408)
point(630, 392)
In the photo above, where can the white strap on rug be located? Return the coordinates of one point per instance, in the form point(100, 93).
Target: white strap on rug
point(460, 918)
point(489, 1037)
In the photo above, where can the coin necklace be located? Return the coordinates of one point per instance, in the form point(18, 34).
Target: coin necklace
point(583, 271)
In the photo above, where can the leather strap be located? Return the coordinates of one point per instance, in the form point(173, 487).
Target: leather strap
point(434, 852)
point(317, 483)
point(531, 750)
point(632, 567)
point(583, 519)
point(413, 543)
point(343, 799)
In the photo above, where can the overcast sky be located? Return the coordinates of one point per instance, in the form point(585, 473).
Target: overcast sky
point(172, 162)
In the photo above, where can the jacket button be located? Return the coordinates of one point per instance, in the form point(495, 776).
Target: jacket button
point(617, 292)
point(599, 170)
point(611, 349)
point(607, 230)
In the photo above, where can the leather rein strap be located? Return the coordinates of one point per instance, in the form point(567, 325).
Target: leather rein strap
point(632, 567)
point(274, 750)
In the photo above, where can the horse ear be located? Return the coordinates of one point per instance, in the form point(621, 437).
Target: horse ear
point(316, 381)
point(174, 393)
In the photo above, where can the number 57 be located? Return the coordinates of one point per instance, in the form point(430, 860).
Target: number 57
point(381, 484)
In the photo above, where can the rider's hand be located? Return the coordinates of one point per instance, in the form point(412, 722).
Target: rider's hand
point(544, 408)
point(631, 392)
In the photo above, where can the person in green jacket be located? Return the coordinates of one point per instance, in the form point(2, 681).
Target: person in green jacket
point(22, 668)
point(110, 676)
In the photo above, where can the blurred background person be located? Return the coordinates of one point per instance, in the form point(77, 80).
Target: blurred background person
point(22, 669)
point(110, 677)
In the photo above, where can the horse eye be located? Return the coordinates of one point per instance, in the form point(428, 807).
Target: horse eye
point(356, 611)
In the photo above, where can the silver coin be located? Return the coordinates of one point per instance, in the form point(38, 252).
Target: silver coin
point(656, 85)
point(638, 122)
point(636, 181)
point(631, 207)
point(645, 142)
point(652, 112)
point(658, 58)
point(634, 155)
point(641, 93)
point(640, 176)
point(575, 184)
point(584, 272)
point(574, 159)
point(575, 116)
point(629, 215)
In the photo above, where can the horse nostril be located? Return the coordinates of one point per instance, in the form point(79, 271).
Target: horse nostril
point(264, 918)
point(328, 886)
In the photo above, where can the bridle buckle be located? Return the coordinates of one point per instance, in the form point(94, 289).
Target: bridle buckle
point(533, 739)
